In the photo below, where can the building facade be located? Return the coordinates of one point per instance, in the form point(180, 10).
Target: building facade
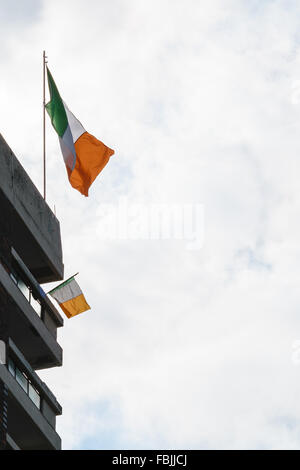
point(30, 255)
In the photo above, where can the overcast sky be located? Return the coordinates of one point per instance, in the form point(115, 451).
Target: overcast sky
point(201, 102)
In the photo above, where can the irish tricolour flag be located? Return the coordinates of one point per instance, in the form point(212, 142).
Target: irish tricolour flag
point(84, 155)
point(70, 298)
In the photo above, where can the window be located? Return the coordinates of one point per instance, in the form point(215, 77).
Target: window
point(34, 395)
point(25, 383)
point(36, 304)
point(27, 292)
point(24, 289)
point(14, 278)
point(21, 379)
point(11, 367)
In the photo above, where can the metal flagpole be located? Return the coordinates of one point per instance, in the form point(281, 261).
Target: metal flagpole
point(64, 282)
point(44, 119)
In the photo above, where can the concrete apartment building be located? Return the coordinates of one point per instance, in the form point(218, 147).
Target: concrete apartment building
point(30, 255)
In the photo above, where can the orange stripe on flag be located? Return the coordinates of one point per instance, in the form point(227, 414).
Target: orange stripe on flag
point(91, 157)
point(75, 306)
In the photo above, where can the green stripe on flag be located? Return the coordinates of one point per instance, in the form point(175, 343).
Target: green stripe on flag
point(55, 107)
point(62, 285)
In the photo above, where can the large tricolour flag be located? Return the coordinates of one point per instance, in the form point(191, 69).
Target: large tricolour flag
point(84, 155)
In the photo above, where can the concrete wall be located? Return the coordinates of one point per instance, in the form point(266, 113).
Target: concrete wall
point(34, 229)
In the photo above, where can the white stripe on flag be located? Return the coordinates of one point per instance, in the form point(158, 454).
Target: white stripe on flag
point(76, 127)
point(67, 292)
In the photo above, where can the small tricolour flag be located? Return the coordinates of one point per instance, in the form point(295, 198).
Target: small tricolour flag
point(70, 298)
point(84, 155)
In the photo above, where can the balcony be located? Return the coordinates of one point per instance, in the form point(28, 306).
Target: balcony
point(27, 221)
point(33, 319)
point(32, 408)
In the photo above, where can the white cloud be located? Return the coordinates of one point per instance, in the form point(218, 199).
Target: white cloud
point(181, 349)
